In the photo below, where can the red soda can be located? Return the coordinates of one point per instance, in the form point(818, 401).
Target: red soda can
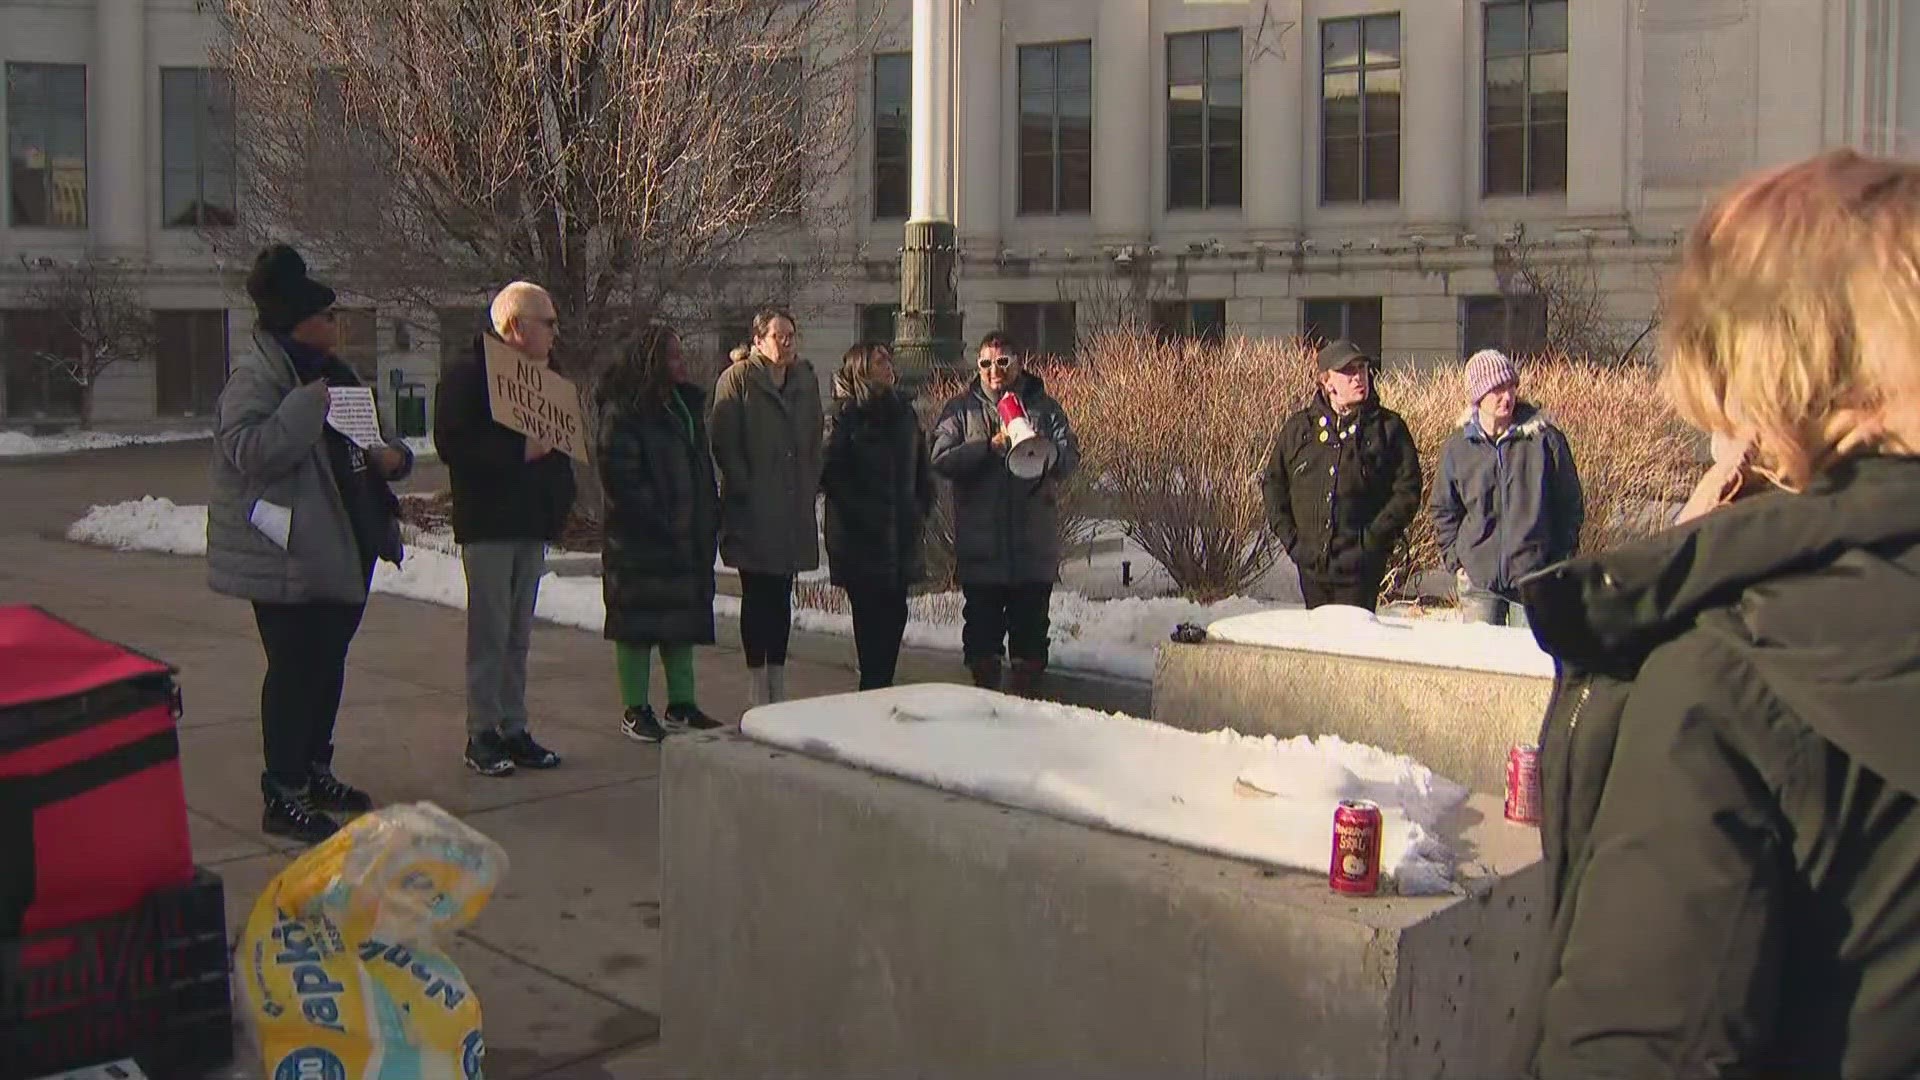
point(1356, 848)
point(1523, 784)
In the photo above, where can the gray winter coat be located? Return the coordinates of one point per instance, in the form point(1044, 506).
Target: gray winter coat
point(269, 444)
point(1505, 508)
point(1006, 531)
point(767, 448)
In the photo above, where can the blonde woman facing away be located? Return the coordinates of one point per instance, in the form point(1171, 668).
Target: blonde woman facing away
point(1731, 825)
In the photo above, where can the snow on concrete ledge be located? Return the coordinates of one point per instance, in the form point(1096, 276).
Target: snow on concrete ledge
point(21, 444)
point(1352, 631)
point(1263, 799)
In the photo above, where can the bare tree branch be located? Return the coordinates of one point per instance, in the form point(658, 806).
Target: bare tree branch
point(100, 318)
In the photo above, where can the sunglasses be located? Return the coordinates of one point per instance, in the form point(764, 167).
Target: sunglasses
point(989, 363)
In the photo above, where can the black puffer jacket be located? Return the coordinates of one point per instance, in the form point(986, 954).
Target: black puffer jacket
point(497, 493)
point(662, 520)
point(1340, 493)
point(1730, 770)
point(1006, 531)
point(879, 491)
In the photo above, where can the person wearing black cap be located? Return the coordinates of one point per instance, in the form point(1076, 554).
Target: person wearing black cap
point(296, 518)
point(1342, 483)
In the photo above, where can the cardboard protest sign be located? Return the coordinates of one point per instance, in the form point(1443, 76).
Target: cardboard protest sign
point(534, 400)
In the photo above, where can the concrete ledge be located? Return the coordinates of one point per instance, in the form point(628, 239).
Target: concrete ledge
point(820, 921)
point(1458, 723)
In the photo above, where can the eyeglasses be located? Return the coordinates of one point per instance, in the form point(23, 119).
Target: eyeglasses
point(988, 363)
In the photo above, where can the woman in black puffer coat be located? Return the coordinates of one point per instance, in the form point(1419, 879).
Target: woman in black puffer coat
point(879, 492)
point(662, 528)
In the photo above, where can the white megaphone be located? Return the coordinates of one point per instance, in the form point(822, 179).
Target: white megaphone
point(1028, 452)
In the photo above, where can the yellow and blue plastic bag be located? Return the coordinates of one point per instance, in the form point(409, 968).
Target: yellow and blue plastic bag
point(340, 962)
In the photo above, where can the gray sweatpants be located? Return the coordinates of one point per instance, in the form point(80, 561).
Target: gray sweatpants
point(503, 580)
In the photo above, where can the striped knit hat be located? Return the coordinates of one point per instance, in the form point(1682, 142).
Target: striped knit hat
point(1488, 370)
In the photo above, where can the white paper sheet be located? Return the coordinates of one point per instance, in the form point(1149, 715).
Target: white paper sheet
point(273, 520)
point(351, 412)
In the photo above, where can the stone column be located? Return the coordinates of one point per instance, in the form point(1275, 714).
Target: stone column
point(982, 126)
point(1436, 134)
point(927, 333)
point(1124, 106)
point(1277, 96)
point(1597, 106)
point(117, 164)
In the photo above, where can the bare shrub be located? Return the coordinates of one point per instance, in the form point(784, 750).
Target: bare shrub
point(1633, 453)
point(1174, 435)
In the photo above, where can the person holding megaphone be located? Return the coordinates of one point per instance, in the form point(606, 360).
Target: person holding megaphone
point(1005, 445)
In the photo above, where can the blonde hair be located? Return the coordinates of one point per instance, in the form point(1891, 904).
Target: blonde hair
point(1794, 317)
point(511, 302)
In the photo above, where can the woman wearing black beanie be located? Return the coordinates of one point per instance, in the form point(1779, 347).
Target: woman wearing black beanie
point(297, 516)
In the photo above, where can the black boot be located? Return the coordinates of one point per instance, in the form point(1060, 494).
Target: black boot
point(293, 815)
point(329, 792)
point(1025, 679)
point(690, 717)
point(986, 672)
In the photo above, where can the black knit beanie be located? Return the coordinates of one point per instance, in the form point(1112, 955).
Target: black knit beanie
point(283, 294)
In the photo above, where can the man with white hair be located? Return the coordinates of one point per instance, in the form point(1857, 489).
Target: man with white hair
point(1507, 499)
point(511, 496)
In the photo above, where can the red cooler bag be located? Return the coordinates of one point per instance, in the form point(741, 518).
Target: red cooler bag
point(92, 813)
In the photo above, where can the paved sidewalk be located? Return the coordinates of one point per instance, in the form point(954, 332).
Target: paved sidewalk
point(565, 959)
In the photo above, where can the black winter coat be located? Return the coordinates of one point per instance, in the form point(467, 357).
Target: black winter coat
point(1730, 773)
point(879, 492)
point(1340, 493)
point(497, 493)
point(662, 520)
point(1006, 531)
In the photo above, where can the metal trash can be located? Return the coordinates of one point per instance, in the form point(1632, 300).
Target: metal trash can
point(410, 410)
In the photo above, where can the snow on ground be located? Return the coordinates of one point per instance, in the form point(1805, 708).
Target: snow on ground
point(1352, 632)
point(1264, 799)
point(1113, 637)
point(21, 444)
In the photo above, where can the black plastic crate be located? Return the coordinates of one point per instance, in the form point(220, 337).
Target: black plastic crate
point(151, 985)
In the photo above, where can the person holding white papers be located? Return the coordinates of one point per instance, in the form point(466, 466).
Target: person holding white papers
point(297, 516)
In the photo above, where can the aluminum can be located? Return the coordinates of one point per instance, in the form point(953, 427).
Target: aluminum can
point(1355, 870)
point(1523, 784)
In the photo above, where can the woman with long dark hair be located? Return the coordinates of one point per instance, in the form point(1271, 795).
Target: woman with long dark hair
point(662, 528)
point(879, 492)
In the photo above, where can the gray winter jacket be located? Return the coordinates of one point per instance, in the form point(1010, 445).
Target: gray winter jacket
point(1006, 531)
point(1505, 508)
point(270, 446)
point(767, 447)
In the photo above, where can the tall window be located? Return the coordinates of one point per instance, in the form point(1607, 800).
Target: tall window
point(191, 361)
point(1516, 325)
point(1045, 330)
point(1355, 318)
point(458, 327)
point(358, 344)
point(1526, 97)
point(198, 170)
point(892, 133)
point(344, 165)
point(876, 323)
point(47, 145)
point(1056, 128)
point(1360, 110)
point(33, 344)
point(774, 136)
point(1203, 120)
point(1190, 320)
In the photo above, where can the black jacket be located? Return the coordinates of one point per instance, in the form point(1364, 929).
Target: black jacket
point(879, 492)
point(662, 519)
point(1730, 769)
point(497, 493)
point(1340, 493)
point(1006, 531)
